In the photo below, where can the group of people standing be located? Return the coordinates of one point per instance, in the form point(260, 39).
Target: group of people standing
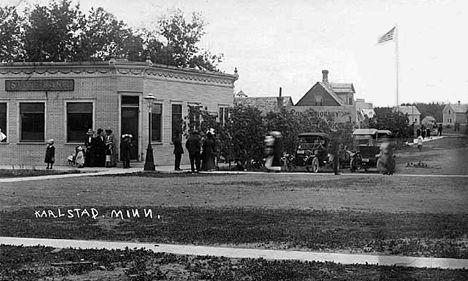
point(202, 151)
point(99, 149)
point(425, 132)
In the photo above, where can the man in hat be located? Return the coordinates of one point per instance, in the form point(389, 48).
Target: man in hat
point(178, 150)
point(99, 149)
point(110, 148)
point(193, 145)
point(89, 149)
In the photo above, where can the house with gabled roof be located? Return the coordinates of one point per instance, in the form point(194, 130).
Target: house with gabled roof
point(414, 115)
point(264, 104)
point(330, 100)
point(455, 114)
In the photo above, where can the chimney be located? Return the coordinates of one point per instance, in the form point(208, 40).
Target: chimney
point(325, 76)
point(280, 99)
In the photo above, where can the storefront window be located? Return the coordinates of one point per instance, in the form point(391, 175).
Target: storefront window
point(156, 122)
point(176, 118)
point(79, 120)
point(3, 128)
point(32, 121)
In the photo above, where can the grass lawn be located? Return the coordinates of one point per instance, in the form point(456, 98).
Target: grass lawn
point(394, 215)
point(13, 173)
point(430, 235)
point(45, 263)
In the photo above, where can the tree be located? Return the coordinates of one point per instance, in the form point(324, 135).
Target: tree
point(247, 132)
point(11, 35)
point(387, 119)
point(180, 38)
point(62, 32)
point(52, 32)
point(103, 37)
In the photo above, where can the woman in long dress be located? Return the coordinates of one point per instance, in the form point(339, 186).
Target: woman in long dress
point(208, 154)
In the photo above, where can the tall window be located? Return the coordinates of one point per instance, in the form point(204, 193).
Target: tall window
point(156, 122)
point(195, 116)
point(223, 115)
point(32, 121)
point(79, 120)
point(3, 115)
point(176, 118)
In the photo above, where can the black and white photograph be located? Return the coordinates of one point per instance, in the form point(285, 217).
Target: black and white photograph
point(233, 140)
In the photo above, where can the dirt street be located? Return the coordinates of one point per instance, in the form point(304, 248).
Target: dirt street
point(358, 191)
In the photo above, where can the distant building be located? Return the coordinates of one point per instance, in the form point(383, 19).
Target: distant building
point(414, 115)
point(335, 100)
point(455, 113)
point(428, 121)
point(264, 104)
point(363, 110)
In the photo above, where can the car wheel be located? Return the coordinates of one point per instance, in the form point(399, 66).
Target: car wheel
point(315, 165)
point(353, 165)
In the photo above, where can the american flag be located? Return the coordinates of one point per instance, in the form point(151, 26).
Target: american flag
point(387, 36)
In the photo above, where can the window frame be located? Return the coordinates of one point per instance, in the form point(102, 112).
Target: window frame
point(173, 129)
point(20, 120)
point(5, 129)
point(222, 118)
point(156, 103)
point(197, 119)
point(318, 100)
point(66, 102)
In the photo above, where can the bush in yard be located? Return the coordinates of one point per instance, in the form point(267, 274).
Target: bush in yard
point(246, 132)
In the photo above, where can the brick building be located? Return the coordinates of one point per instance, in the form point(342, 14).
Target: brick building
point(39, 101)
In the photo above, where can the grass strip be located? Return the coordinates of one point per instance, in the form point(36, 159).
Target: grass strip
point(39, 263)
point(429, 235)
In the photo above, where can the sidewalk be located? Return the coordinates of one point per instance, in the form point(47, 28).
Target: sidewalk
point(85, 172)
point(247, 253)
point(415, 141)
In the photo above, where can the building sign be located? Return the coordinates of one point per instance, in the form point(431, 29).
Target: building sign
point(340, 114)
point(40, 85)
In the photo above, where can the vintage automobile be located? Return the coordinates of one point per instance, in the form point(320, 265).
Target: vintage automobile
point(366, 144)
point(311, 151)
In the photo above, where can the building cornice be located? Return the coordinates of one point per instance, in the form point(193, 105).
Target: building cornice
point(115, 67)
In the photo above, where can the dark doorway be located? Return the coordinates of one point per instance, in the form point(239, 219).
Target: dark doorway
point(129, 122)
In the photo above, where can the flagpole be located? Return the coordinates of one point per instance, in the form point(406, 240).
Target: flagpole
point(397, 66)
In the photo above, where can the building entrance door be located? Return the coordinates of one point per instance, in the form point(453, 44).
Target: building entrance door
point(129, 122)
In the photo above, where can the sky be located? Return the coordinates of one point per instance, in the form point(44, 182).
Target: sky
point(287, 44)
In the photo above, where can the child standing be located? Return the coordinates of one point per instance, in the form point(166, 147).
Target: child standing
point(79, 157)
point(50, 154)
point(420, 143)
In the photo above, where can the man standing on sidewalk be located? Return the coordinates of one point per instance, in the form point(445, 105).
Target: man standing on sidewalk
point(178, 150)
point(193, 146)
